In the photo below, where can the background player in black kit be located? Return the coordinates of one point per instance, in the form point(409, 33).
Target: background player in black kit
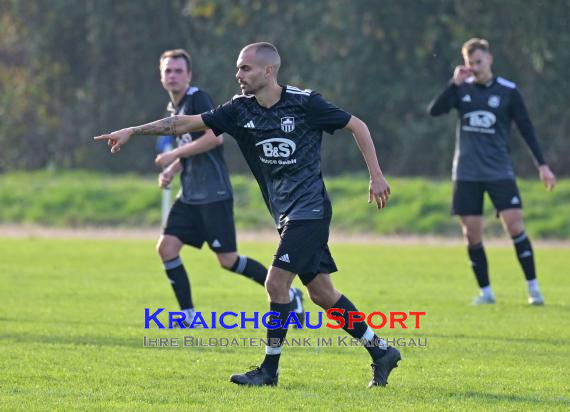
point(279, 131)
point(203, 210)
point(487, 105)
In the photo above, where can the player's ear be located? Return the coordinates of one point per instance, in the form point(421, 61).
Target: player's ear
point(268, 71)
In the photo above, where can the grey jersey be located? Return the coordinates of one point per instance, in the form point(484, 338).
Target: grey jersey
point(485, 116)
point(282, 146)
point(204, 177)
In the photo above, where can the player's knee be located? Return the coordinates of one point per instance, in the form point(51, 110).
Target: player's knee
point(275, 288)
point(227, 262)
point(472, 235)
point(515, 228)
point(166, 250)
point(160, 248)
point(473, 240)
point(271, 287)
point(320, 297)
point(315, 297)
point(224, 264)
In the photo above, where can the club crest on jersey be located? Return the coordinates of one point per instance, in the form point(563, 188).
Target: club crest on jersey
point(494, 101)
point(288, 124)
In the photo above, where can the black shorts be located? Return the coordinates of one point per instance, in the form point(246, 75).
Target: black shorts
point(468, 196)
point(303, 249)
point(211, 222)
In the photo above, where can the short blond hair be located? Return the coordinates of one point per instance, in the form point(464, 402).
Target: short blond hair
point(177, 54)
point(471, 45)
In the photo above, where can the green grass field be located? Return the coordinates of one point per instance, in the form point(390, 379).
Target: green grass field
point(71, 332)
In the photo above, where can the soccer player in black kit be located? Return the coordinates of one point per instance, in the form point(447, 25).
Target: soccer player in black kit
point(487, 105)
point(203, 210)
point(279, 131)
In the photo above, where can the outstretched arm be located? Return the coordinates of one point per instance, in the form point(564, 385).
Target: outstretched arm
point(379, 190)
point(173, 125)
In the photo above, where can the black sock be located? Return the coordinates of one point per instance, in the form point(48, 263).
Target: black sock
point(525, 255)
point(360, 330)
point(275, 338)
point(479, 264)
point(250, 268)
point(180, 283)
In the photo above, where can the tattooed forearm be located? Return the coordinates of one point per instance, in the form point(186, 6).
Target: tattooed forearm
point(163, 126)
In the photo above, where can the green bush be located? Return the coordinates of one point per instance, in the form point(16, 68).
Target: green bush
point(417, 205)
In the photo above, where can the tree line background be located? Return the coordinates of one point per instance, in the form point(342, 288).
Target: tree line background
point(72, 69)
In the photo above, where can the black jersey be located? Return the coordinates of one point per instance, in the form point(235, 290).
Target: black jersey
point(282, 146)
point(485, 115)
point(204, 177)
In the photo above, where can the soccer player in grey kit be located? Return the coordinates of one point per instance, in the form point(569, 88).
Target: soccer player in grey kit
point(279, 131)
point(487, 105)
